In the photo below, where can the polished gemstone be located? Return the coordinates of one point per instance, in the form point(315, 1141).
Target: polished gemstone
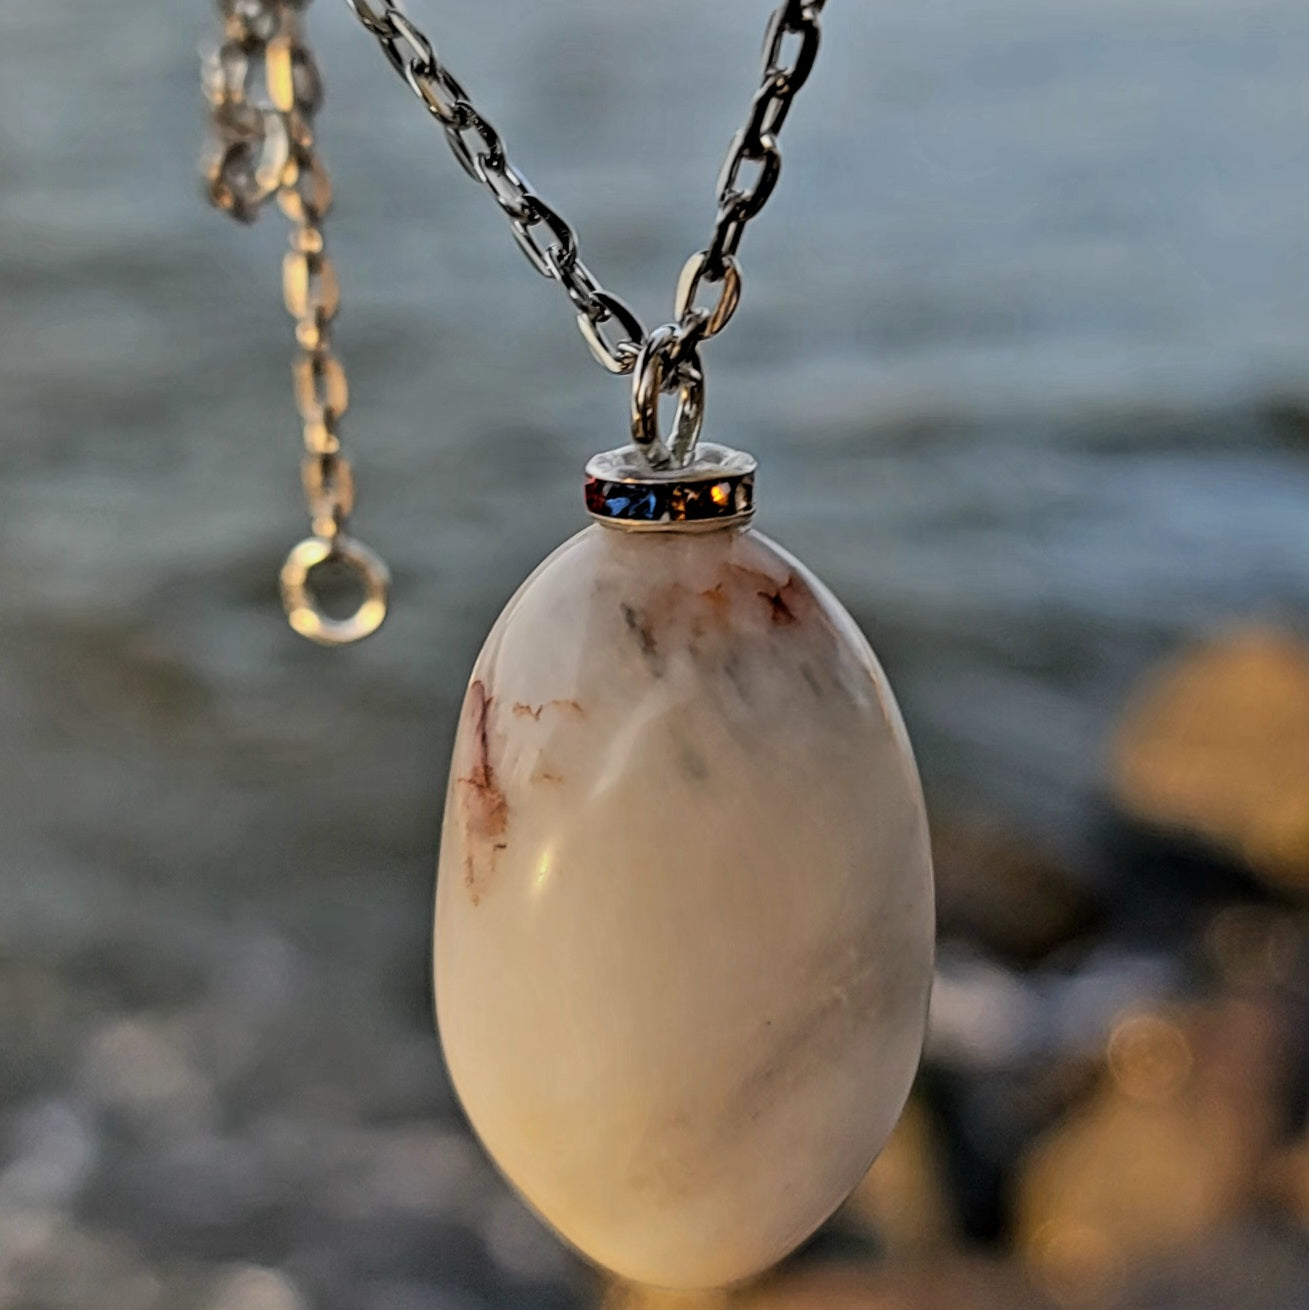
point(684, 912)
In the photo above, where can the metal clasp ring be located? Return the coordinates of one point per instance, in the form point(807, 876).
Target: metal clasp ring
point(669, 361)
point(303, 609)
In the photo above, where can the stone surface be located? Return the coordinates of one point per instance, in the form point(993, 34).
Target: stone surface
point(684, 912)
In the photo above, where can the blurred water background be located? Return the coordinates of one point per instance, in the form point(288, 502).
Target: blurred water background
point(1025, 357)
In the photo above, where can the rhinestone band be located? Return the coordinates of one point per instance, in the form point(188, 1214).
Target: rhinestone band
point(716, 491)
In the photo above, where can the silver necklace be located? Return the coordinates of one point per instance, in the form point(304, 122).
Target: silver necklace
point(684, 905)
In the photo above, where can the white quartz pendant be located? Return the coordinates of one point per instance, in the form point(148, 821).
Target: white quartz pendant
point(684, 912)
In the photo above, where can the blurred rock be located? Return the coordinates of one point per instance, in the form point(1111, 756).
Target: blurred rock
point(47, 1261)
point(252, 1288)
point(1287, 1179)
point(1254, 949)
point(1245, 1266)
point(421, 1172)
point(1001, 890)
point(988, 1019)
point(1216, 745)
point(521, 1245)
point(135, 1069)
point(623, 1296)
point(1169, 1148)
point(957, 1284)
point(394, 1294)
point(983, 1016)
point(904, 1200)
point(53, 1150)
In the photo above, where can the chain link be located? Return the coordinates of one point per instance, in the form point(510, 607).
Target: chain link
point(546, 239)
point(748, 178)
point(264, 147)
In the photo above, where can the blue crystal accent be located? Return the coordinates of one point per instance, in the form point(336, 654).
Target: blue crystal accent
point(633, 503)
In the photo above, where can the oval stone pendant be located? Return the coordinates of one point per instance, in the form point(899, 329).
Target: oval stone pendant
point(684, 911)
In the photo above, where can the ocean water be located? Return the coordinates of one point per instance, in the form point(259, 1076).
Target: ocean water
point(1024, 353)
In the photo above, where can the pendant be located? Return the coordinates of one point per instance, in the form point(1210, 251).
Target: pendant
point(684, 914)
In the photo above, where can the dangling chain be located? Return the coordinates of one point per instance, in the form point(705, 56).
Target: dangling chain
point(267, 149)
point(264, 147)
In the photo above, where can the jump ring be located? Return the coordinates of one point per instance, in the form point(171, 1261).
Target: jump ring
point(694, 272)
point(303, 611)
point(667, 363)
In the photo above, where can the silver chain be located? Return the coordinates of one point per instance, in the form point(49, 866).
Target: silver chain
point(611, 329)
point(264, 92)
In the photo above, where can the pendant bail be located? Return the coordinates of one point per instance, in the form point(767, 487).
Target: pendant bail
point(669, 362)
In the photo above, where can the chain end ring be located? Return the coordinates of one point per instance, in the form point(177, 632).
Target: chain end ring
point(303, 609)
